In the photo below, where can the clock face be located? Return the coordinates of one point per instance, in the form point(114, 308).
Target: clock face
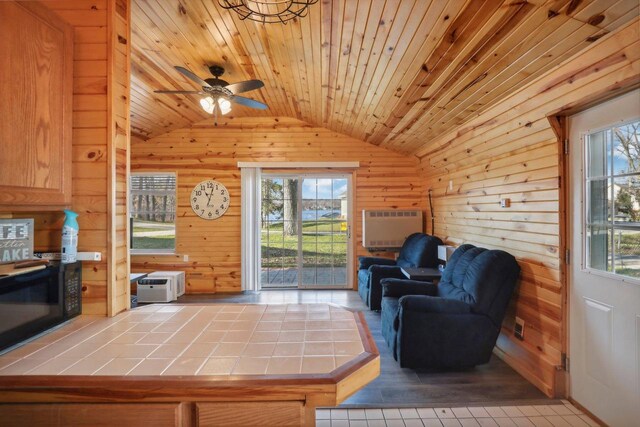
point(210, 199)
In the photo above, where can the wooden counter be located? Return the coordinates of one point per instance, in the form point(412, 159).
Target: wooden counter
point(184, 365)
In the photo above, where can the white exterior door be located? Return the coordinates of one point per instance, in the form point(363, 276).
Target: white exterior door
point(604, 279)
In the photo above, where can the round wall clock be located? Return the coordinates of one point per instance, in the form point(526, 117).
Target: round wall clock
point(209, 199)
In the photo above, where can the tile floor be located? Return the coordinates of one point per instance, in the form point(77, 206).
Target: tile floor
point(558, 415)
point(216, 339)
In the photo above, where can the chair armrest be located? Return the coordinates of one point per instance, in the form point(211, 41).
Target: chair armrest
point(421, 303)
point(367, 261)
point(397, 288)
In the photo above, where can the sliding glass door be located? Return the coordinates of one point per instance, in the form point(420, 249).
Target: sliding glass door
point(305, 231)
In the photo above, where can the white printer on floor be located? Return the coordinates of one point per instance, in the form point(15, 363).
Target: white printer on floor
point(178, 278)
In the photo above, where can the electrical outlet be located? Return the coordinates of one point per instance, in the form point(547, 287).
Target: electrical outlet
point(450, 185)
point(505, 203)
point(518, 331)
point(185, 258)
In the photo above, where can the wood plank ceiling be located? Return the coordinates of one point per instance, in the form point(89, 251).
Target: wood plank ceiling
point(395, 73)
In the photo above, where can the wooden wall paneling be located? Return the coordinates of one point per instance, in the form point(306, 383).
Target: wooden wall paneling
point(118, 298)
point(385, 180)
point(512, 150)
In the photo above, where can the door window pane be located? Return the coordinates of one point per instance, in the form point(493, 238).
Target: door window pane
point(612, 200)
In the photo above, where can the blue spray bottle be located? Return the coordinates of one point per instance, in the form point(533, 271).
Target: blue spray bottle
point(70, 237)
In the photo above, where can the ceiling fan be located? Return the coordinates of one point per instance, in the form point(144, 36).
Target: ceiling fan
point(219, 93)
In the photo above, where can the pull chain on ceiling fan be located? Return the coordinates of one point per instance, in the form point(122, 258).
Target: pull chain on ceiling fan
point(220, 95)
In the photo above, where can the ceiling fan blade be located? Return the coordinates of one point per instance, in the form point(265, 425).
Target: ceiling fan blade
point(248, 102)
point(192, 76)
point(244, 86)
point(184, 92)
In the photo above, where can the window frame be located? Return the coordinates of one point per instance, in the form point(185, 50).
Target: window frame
point(134, 251)
point(611, 226)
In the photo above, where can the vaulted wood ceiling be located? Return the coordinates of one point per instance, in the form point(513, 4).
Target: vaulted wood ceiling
point(394, 73)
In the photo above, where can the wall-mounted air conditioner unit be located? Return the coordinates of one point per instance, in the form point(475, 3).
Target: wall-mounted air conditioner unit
point(387, 230)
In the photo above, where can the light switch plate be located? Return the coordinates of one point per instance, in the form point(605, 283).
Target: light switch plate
point(518, 331)
point(505, 203)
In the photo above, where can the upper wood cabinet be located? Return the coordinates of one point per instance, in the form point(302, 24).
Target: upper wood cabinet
point(36, 89)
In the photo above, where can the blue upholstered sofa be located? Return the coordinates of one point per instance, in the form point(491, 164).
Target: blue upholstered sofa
point(456, 323)
point(418, 250)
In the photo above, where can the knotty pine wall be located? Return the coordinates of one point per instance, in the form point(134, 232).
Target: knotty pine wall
point(385, 180)
point(511, 151)
point(100, 144)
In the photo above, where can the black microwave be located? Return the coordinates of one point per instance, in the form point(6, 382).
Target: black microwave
point(31, 303)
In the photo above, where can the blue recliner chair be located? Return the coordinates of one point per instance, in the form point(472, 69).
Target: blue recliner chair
point(456, 323)
point(418, 250)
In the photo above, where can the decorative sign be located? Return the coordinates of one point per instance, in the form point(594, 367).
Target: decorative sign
point(16, 240)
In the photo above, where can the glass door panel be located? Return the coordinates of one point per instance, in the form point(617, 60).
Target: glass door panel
point(305, 231)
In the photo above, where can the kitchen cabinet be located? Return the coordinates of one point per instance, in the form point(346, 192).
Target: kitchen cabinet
point(36, 84)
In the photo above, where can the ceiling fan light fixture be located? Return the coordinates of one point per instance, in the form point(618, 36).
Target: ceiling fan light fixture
point(268, 11)
point(225, 106)
point(207, 104)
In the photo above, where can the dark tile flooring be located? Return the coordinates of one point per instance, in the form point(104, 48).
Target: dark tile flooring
point(494, 382)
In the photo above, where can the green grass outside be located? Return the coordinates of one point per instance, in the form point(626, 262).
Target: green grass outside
point(160, 242)
point(322, 250)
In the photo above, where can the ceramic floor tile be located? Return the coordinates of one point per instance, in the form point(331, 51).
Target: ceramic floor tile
point(540, 421)
point(391, 414)
point(339, 414)
point(323, 423)
point(119, 366)
point(409, 413)
point(450, 422)
point(413, 422)
point(487, 422)
point(155, 338)
point(356, 414)
point(348, 348)
point(236, 337)
point(185, 366)
point(358, 423)
point(251, 366)
point(462, 413)
point(469, 422)
point(495, 411)
point(557, 421)
point(573, 409)
point(505, 422)
point(432, 422)
point(269, 326)
point(376, 423)
point(21, 367)
point(523, 422)
point(323, 414)
point(339, 423)
point(512, 411)
point(284, 365)
point(545, 410)
point(218, 366)
point(529, 411)
point(444, 413)
point(575, 421)
point(395, 423)
point(167, 350)
point(588, 420)
point(426, 413)
point(561, 410)
point(374, 414)
point(150, 367)
point(478, 412)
